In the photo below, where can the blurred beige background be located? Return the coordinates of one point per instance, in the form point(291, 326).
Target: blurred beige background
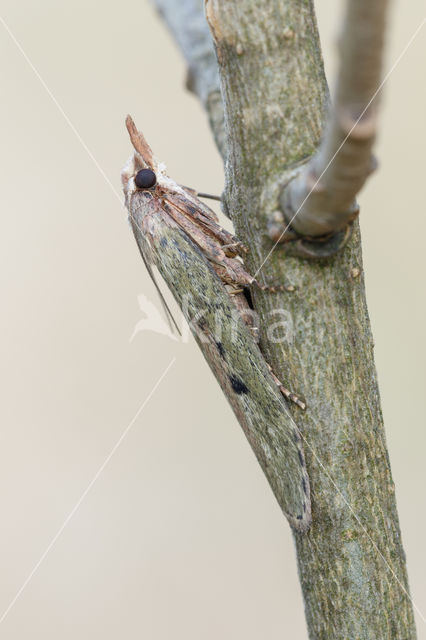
point(180, 536)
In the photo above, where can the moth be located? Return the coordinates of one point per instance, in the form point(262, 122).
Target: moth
point(202, 262)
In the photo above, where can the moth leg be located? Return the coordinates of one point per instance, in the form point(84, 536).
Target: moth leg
point(238, 246)
point(232, 271)
point(275, 288)
point(286, 393)
point(199, 194)
point(209, 196)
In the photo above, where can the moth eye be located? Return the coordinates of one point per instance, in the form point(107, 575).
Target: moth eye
point(145, 179)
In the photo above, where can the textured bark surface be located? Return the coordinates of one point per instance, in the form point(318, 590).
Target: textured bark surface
point(351, 561)
point(188, 26)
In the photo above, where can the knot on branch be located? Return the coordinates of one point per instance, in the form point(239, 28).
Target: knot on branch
point(318, 247)
point(362, 127)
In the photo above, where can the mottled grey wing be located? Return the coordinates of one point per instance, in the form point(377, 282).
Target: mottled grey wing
point(167, 311)
point(235, 360)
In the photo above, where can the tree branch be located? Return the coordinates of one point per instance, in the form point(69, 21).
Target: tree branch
point(321, 199)
point(351, 561)
point(187, 24)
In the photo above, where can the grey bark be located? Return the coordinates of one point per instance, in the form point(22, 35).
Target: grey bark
point(188, 26)
point(351, 561)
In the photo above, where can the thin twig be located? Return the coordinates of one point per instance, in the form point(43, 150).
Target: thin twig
point(321, 199)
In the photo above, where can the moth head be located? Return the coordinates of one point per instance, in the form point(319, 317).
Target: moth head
point(145, 179)
point(142, 172)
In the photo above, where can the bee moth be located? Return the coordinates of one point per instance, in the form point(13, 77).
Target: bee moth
point(199, 259)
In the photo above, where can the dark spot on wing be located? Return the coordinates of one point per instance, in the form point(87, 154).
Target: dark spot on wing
point(164, 243)
point(302, 462)
point(220, 349)
point(238, 385)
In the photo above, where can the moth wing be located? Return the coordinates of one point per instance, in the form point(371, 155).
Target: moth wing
point(235, 359)
point(204, 209)
point(202, 215)
point(185, 220)
point(148, 261)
